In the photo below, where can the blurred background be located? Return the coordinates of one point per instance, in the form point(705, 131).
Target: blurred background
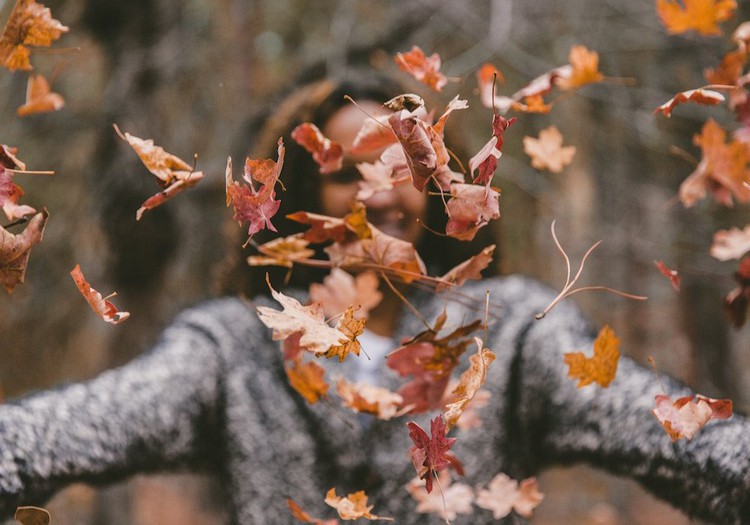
point(191, 74)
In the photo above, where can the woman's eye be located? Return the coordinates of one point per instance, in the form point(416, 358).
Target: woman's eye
point(345, 175)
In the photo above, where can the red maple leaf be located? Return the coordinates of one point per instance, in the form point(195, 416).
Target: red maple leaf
point(423, 68)
point(329, 155)
point(430, 453)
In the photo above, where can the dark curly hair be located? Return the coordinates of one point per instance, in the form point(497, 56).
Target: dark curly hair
point(316, 101)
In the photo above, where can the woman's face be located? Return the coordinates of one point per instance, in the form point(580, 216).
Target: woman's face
point(394, 212)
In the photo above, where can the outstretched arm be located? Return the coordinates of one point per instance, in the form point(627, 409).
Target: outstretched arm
point(157, 412)
point(613, 428)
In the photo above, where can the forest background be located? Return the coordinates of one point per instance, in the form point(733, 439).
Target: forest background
point(192, 74)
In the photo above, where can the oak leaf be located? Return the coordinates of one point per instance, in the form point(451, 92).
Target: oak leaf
point(731, 244)
point(469, 384)
point(602, 366)
point(40, 98)
point(15, 250)
point(685, 416)
point(702, 16)
point(429, 454)
point(307, 379)
point(100, 305)
point(706, 97)
point(172, 173)
point(352, 506)
point(672, 275)
point(504, 494)
point(456, 498)
point(423, 68)
point(369, 399)
point(29, 24)
point(470, 208)
point(547, 152)
point(316, 336)
point(329, 155)
point(29, 515)
point(340, 289)
point(255, 206)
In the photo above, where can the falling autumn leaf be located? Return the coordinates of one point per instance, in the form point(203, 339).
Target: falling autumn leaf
point(547, 152)
point(307, 379)
point(504, 494)
point(731, 244)
point(352, 506)
point(488, 79)
point(101, 306)
point(486, 159)
point(583, 69)
point(29, 24)
point(685, 416)
point(29, 515)
point(351, 327)
point(10, 192)
point(414, 136)
point(602, 366)
point(706, 97)
point(423, 68)
point(173, 174)
point(326, 153)
point(340, 289)
point(670, 274)
point(303, 516)
point(469, 383)
point(255, 206)
point(702, 16)
point(469, 269)
point(429, 454)
point(15, 250)
point(456, 498)
point(39, 98)
point(283, 251)
point(470, 208)
point(369, 399)
point(317, 336)
point(374, 135)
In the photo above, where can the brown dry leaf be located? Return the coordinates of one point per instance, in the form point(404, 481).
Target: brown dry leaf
point(340, 289)
point(685, 416)
point(547, 152)
point(307, 379)
point(470, 417)
point(284, 251)
point(352, 506)
point(584, 69)
point(174, 174)
point(316, 335)
point(504, 494)
point(469, 383)
point(39, 98)
point(351, 327)
point(29, 24)
point(11, 193)
point(303, 516)
point(423, 68)
point(456, 498)
point(15, 250)
point(369, 399)
point(328, 154)
point(374, 135)
point(470, 208)
point(100, 305)
point(722, 169)
point(702, 16)
point(29, 515)
point(602, 366)
point(731, 244)
point(469, 269)
point(706, 97)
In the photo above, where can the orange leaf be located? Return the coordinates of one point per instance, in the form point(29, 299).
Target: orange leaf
point(351, 328)
point(684, 417)
point(29, 24)
point(307, 379)
point(303, 516)
point(504, 494)
point(699, 96)
point(374, 135)
point(602, 367)
point(583, 70)
point(173, 173)
point(702, 16)
point(469, 383)
point(547, 152)
point(369, 399)
point(353, 506)
point(326, 153)
point(99, 305)
point(424, 69)
point(15, 250)
point(39, 98)
point(340, 289)
point(283, 251)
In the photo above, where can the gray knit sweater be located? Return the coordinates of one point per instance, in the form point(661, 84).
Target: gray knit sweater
point(212, 393)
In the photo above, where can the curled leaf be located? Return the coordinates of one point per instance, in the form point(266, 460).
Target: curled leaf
point(352, 506)
point(423, 68)
point(15, 250)
point(39, 98)
point(101, 306)
point(326, 153)
point(29, 24)
point(685, 416)
point(706, 97)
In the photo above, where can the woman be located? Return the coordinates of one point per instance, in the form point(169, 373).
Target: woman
point(212, 393)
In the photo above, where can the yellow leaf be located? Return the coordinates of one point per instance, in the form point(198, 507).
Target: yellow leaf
point(702, 16)
point(602, 367)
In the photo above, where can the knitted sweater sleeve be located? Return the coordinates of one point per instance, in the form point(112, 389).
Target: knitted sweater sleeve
point(156, 412)
point(613, 428)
